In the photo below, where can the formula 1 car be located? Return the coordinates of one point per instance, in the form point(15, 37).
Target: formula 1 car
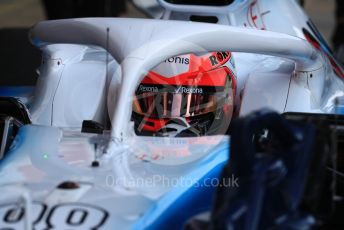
point(129, 117)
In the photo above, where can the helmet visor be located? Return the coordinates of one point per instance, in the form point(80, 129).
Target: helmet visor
point(186, 95)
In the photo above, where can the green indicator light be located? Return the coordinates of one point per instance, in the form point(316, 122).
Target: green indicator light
point(45, 156)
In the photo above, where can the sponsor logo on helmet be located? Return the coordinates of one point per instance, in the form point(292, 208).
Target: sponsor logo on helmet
point(218, 58)
point(182, 89)
point(178, 60)
point(153, 89)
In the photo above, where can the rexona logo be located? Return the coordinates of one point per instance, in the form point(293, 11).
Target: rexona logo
point(178, 60)
point(153, 89)
point(182, 89)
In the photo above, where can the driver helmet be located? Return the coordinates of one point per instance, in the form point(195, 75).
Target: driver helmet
point(186, 95)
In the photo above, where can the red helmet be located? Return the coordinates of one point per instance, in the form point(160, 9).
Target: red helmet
point(186, 95)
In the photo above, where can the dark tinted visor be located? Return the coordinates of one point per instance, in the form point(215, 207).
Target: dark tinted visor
point(186, 95)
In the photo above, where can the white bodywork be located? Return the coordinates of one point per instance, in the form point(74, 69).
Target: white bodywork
point(255, 73)
point(72, 85)
point(161, 41)
point(66, 100)
point(79, 82)
point(113, 195)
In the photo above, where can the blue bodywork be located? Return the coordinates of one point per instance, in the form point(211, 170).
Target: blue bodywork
point(183, 202)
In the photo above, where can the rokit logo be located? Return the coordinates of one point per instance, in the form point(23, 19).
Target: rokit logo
point(182, 89)
point(218, 58)
point(178, 60)
point(152, 89)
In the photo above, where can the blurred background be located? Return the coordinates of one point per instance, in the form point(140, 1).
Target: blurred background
point(16, 16)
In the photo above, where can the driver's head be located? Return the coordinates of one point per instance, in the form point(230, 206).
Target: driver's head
point(186, 95)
